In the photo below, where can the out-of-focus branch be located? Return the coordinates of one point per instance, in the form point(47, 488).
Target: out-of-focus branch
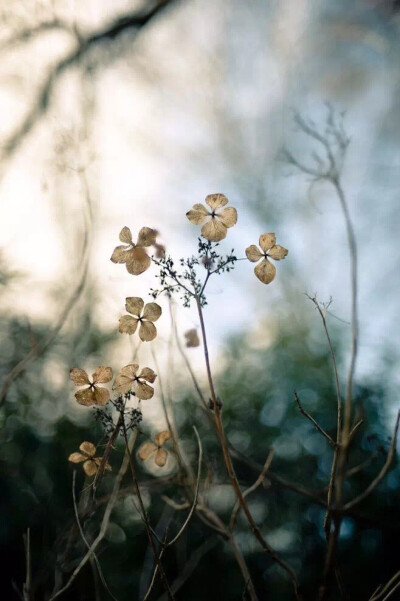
point(134, 21)
point(28, 33)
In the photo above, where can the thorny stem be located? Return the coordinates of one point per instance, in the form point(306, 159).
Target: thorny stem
point(228, 462)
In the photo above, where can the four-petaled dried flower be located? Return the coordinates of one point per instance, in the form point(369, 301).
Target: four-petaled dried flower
point(128, 379)
point(192, 338)
point(265, 270)
point(92, 394)
point(129, 323)
point(133, 255)
point(91, 463)
point(154, 448)
point(217, 222)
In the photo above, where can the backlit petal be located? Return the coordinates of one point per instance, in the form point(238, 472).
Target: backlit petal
point(102, 396)
point(265, 271)
point(277, 252)
point(125, 235)
point(122, 384)
point(90, 467)
point(148, 374)
point(137, 260)
point(267, 241)
point(197, 214)
point(228, 216)
point(192, 338)
point(85, 397)
point(253, 253)
point(147, 236)
point(129, 370)
point(134, 305)
point(128, 324)
point(147, 331)
point(152, 311)
point(79, 376)
point(77, 458)
point(215, 201)
point(146, 450)
point(161, 457)
point(88, 448)
point(102, 375)
point(142, 390)
point(119, 255)
point(214, 230)
point(162, 437)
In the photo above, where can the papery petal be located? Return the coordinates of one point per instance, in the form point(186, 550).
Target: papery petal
point(162, 437)
point(79, 376)
point(267, 241)
point(134, 305)
point(120, 254)
point(265, 271)
point(88, 448)
point(101, 395)
point(142, 390)
point(214, 230)
point(137, 260)
point(147, 374)
point(85, 397)
point(253, 253)
point(128, 324)
point(147, 236)
point(161, 457)
point(77, 458)
point(278, 252)
point(197, 214)
point(122, 384)
point(152, 311)
point(129, 370)
point(192, 338)
point(215, 201)
point(90, 467)
point(228, 216)
point(146, 450)
point(125, 235)
point(102, 375)
point(147, 331)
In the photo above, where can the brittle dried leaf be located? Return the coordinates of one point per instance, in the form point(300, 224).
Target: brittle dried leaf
point(192, 338)
point(129, 380)
point(215, 229)
point(92, 394)
point(265, 270)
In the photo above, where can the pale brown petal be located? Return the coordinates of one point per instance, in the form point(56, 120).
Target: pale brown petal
point(147, 236)
point(278, 252)
point(160, 250)
point(152, 311)
point(162, 437)
point(147, 331)
point(142, 390)
point(128, 324)
point(253, 253)
point(265, 271)
point(102, 396)
point(214, 230)
point(79, 376)
point(102, 375)
point(85, 397)
point(129, 370)
point(134, 305)
point(125, 235)
point(90, 467)
point(146, 450)
point(267, 241)
point(197, 214)
point(228, 216)
point(119, 255)
point(77, 458)
point(88, 448)
point(122, 384)
point(137, 261)
point(148, 374)
point(161, 457)
point(192, 338)
point(215, 201)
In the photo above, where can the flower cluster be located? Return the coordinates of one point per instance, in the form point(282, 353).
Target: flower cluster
point(91, 463)
point(150, 449)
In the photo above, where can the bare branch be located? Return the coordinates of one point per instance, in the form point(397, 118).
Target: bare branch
point(314, 422)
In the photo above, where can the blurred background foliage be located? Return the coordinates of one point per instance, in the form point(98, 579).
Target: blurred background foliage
point(197, 100)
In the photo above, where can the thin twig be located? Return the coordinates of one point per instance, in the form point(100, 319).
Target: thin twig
point(314, 422)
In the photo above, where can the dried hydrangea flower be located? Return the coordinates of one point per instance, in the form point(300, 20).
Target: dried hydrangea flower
point(91, 463)
point(128, 379)
point(148, 449)
point(265, 270)
point(129, 323)
point(134, 255)
point(92, 394)
point(217, 224)
point(192, 338)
